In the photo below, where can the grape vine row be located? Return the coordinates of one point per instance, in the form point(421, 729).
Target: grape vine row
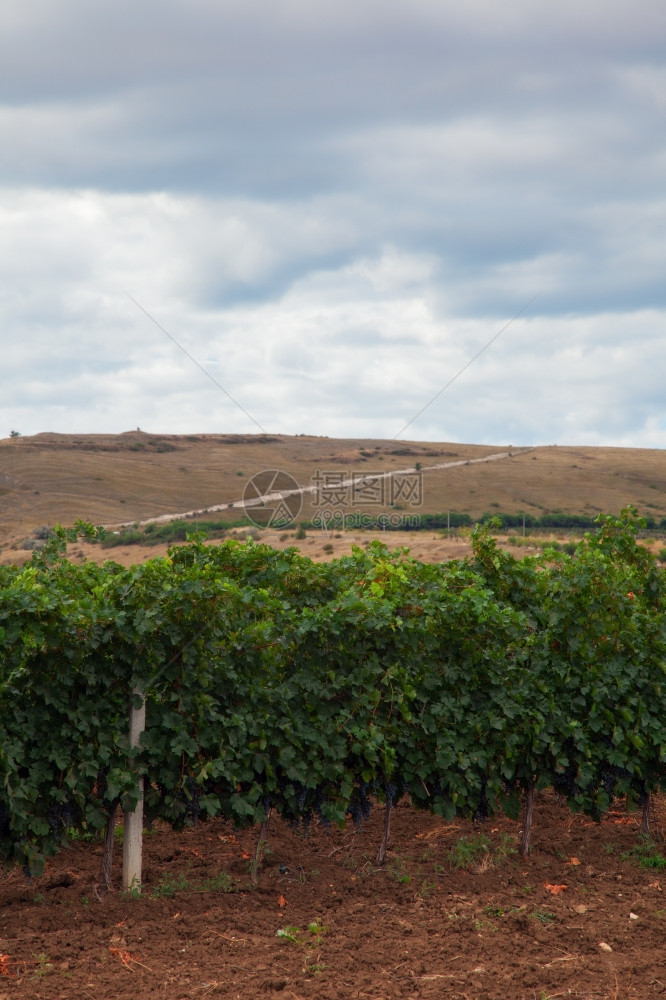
point(272, 682)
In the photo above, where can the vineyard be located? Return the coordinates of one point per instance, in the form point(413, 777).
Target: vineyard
point(275, 685)
point(282, 694)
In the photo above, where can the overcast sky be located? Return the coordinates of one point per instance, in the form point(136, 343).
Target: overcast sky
point(333, 207)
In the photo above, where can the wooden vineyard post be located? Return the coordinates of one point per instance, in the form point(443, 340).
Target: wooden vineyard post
point(645, 825)
point(527, 820)
point(133, 829)
point(381, 853)
point(260, 844)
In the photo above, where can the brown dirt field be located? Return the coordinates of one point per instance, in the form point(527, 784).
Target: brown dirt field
point(320, 546)
point(426, 546)
point(414, 927)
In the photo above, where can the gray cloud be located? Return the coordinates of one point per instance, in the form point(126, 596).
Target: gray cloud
point(335, 207)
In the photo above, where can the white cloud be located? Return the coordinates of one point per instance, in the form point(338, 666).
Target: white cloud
point(355, 349)
point(333, 207)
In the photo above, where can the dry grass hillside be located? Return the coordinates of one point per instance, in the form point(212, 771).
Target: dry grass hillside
point(125, 478)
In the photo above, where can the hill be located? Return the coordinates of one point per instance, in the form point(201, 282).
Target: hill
point(126, 478)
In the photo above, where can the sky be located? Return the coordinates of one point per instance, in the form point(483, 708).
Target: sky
point(419, 219)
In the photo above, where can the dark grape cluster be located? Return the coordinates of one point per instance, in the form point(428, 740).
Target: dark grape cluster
point(61, 816)
point(5, 821)
point(102, 783)
point(321, 801)
point(360, 804)
point(610, 775)
point(482, 811)
point(564, 782)
point(303, 811)
point(266, 803)
point(192, 805)
point(390, 792)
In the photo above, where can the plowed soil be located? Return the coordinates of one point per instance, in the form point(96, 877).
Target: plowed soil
point(580, 918)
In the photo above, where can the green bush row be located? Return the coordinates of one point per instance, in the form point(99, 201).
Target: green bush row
point(270, 680)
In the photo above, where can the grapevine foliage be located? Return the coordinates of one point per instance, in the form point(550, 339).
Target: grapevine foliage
point(317, 689)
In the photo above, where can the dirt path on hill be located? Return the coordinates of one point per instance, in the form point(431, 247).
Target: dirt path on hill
point(344, 484)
